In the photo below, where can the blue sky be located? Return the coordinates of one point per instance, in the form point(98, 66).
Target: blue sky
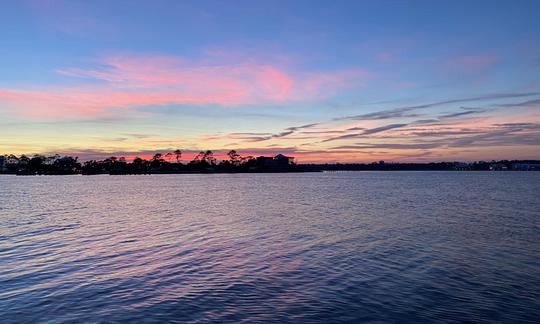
point(134, 77)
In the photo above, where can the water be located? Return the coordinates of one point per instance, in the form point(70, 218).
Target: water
point(318, 247)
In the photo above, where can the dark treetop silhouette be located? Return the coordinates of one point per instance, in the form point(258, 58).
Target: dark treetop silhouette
point(170, 162)
point(205, 162)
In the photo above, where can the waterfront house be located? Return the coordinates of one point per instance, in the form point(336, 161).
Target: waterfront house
point(278, 161)
point(282, 160)
point(265, 161)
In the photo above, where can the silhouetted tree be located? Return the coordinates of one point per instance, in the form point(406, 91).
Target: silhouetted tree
point(203, 160)
point(66, 165)
point(209, 157)
point(157, 160)
point(178, 155)
point(234, 157)
point(23, 160)
point(206, 162)
point(36, 163)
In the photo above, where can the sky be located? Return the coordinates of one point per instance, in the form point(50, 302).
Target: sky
point(322, 81)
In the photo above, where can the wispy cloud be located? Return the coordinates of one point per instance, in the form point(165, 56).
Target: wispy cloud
point(323, 132)
point(461, 113)
point(401, 112)
point(366, 132)
point(139, 136)
point(494, 135)
point(521, 104)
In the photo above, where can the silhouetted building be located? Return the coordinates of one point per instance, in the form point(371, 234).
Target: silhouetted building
point(282, 160)
point(526, 166)
point(265, 161)
point(278, 161)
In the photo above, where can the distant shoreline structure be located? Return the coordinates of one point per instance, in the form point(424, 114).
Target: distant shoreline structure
point(204, 162)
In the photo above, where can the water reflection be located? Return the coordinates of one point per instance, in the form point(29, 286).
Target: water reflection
point(326, 247)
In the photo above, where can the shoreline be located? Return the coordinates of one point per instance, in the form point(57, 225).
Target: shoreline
point(252, 172)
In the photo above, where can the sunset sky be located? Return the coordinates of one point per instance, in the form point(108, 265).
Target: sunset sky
point(318, 80)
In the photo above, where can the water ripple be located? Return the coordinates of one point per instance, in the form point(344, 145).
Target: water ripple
point(311, 248)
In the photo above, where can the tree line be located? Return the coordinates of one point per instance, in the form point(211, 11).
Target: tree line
point(169, 162)
point(205, 162)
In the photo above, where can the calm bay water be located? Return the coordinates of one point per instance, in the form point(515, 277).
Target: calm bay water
point(317, 247)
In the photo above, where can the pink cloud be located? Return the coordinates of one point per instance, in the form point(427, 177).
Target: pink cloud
point(131, 81)
point(98, 102)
